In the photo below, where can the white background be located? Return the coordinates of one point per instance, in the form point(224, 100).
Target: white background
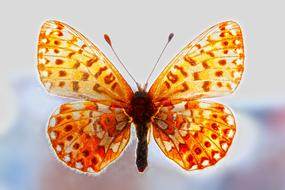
point(139, 30)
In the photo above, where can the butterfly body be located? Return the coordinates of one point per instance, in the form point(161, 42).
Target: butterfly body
point(89, 134)
point(141, 110)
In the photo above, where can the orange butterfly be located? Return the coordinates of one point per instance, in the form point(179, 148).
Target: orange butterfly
point(88, 135)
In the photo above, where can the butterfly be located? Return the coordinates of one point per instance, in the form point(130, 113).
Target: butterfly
point(89, 134)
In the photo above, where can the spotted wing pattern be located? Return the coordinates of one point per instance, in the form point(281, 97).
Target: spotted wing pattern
point(70, 65)
point(87, 136)
point(194, 134)
point(210, 66)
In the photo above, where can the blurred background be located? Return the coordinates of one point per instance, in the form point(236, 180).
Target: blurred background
point(139, 30)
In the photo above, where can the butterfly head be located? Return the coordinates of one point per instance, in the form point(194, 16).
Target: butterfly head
point(141, 87)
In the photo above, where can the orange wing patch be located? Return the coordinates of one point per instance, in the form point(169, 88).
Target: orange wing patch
point(71, 66)
point(194, 134)
point(87, 136)
point(210, 66)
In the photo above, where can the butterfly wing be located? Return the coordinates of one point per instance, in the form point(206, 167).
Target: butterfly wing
point(194, 134)
point(70, 65)
point(210, 66)
point(87, 136)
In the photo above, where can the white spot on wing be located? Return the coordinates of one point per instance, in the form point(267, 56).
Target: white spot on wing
point(225, 146)
point(58, 148)
point(183, 133)
point(230, 133)
point(76, 115)
point(230, 120)
point(238, 61)
point(44, 73)
point(89, 169)
point(194, 167)
point(53, 135)
point(161, 124)
point(42, 50)
point(115, 146)
point(47, 85)
point(78, 106)
point(121, 125)
point(42, 61)
point(234, 32)
point(78, 165)
point(239, 51)
point(98, 131)
point(124, 141)
point(48, 31)
point(237, 75)
point(44, 40)
point(120, 116)
point(179, 107)
point(217, 156)
point(66, 158)
point(52, 122)
point(168, 145)
point(205, 163)
point(106, 140)
point(174, 116)
point(103, 108)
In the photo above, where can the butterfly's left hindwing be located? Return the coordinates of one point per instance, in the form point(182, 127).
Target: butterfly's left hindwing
point(194, 134)
point(87, 136)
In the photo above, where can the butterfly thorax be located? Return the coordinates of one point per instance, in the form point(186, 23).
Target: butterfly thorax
point(141, 108)
point(141, 111)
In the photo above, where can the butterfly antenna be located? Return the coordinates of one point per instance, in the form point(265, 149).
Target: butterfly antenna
point(108, 40)
point(169, 39)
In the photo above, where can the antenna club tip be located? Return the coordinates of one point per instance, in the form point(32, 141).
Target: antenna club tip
point(107, 39)
point(170, 36)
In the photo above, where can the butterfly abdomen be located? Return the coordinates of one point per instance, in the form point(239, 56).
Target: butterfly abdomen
point(142, 149)
point(141, 111)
